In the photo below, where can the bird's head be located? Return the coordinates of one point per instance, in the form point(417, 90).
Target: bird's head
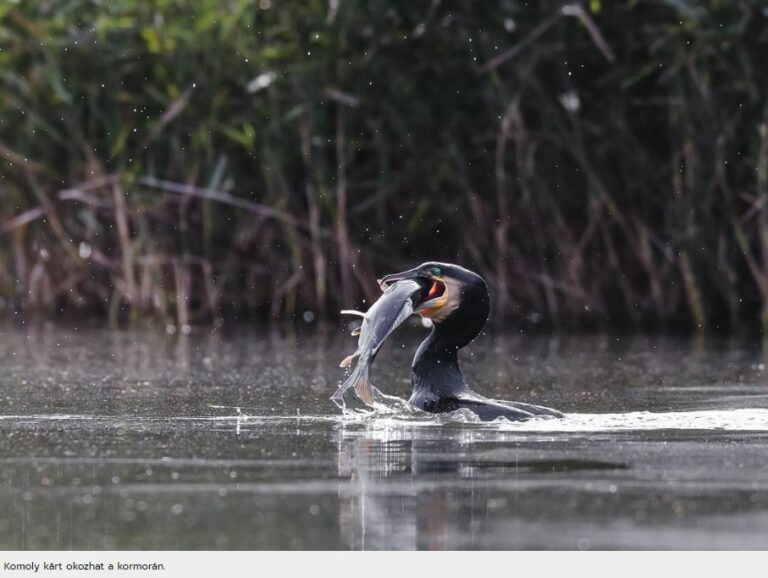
point(450, 293)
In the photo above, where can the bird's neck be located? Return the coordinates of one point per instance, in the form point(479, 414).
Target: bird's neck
point(436, 371)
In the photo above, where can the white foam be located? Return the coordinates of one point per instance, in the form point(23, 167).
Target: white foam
point(385, 417)
point(725, 420)
point(749, 419)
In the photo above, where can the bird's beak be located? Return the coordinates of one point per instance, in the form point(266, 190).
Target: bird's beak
point(387, 280)
point(439, 296)
point(434, 297)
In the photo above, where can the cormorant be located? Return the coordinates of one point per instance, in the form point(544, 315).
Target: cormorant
point(457, 302)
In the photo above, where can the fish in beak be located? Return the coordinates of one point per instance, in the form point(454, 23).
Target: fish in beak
point(440, 294)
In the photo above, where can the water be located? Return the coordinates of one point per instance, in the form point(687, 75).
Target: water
point(130, 440)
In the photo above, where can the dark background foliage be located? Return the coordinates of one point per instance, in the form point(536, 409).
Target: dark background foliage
point(602, 164)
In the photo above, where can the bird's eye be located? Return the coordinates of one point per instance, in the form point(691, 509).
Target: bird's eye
point(437, 272)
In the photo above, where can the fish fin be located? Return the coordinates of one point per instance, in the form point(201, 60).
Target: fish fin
point(352, 312)
point(347, 361)
point(357, 330)
point(360, 382)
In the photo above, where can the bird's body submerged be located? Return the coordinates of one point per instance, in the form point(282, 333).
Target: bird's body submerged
point(457, 302)
point(439, 385)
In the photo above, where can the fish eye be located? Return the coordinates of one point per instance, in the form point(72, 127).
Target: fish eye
point(436, 271)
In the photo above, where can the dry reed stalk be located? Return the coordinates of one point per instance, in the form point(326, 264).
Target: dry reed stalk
point(319, 261)
point(501, 230)
point(342, 235)
point(182, 282)
point(695, 300)
point(124, 239)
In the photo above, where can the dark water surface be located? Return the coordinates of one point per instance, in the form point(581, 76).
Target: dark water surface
point(129, 440)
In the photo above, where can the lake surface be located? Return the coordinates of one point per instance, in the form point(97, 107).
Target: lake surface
point(140, 440)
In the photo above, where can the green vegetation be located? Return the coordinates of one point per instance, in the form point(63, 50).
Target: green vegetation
point(602, 163)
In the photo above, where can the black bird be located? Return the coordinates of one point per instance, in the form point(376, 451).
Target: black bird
point(457, 302)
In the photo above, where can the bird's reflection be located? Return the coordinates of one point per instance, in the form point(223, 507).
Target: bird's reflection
point(444, 487)
point(396, 499)
point(371, 517)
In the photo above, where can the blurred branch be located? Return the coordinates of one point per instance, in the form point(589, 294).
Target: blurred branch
point(220, 197)
point(575, 10)
point(532, 36)
point(578, 11)
point(22, 220)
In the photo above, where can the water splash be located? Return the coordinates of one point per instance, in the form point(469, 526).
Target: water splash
point(400, 414)
point(403, 415)
point(390, 410)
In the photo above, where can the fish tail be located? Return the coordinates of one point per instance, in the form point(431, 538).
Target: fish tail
point(360, 381)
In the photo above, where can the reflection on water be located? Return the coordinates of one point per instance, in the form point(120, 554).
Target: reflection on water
point(126, 440)
point(376, 512)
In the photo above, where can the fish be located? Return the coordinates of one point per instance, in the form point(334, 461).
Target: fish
point(396, 304)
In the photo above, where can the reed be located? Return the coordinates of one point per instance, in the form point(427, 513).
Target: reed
point(602, 164)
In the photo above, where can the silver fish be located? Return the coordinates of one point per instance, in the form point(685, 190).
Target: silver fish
point(396, 304)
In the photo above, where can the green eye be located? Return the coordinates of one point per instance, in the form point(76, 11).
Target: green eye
point(437, 272)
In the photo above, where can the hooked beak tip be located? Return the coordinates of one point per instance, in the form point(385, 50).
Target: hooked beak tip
point(387, 280)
